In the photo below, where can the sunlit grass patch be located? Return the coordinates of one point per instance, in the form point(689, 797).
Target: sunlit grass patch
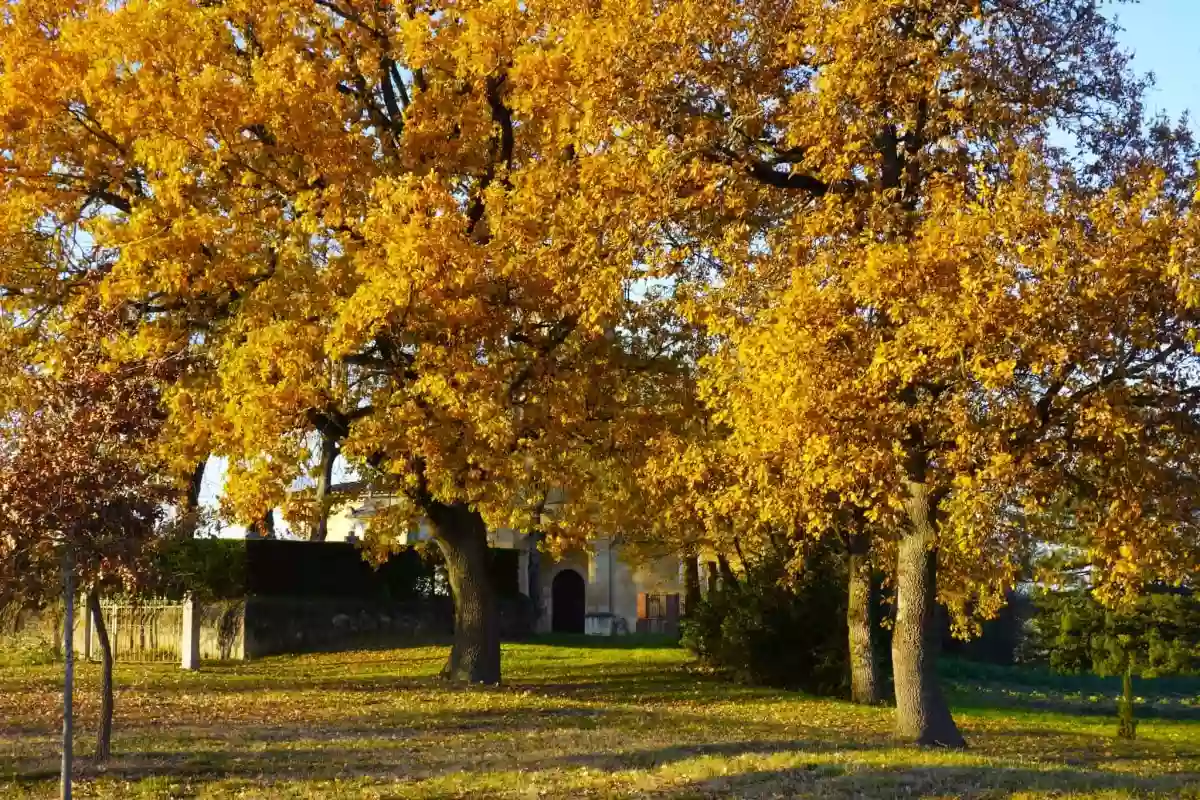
point(574, 719)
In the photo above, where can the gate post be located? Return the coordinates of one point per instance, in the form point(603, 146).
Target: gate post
point(190, 645)
point(523, 570)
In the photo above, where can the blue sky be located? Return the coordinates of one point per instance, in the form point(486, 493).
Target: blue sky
point(1164, 36)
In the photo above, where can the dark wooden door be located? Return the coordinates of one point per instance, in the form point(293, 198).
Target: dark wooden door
point(568, 598)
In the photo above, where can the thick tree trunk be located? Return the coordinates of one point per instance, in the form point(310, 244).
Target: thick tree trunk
point(865, 684)
point(922, 715)
point(462, 537)
point(104, 734)
point(329, 454)
point(691, 585)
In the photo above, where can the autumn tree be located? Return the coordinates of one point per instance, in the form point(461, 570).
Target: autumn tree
point(377, 223)
point(821, 136)
point(705, 491)
point(78, 477)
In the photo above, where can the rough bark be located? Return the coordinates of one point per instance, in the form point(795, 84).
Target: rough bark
point(104, 734)
point(691, 584)
point(462, 537)
point(329, 454)
point(865, 684)
point(922, 715)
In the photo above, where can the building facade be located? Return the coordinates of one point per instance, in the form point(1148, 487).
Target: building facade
point(589, 590)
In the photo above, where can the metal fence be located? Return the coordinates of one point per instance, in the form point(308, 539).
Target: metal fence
point(142, 633)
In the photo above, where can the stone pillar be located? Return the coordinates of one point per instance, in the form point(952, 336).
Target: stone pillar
point(541, 622)
point(599, 589)
point(190, 644)
point(523, 567)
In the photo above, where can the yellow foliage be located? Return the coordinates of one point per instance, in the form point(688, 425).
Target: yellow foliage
point(398, 229)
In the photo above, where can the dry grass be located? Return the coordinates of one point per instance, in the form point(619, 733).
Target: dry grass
point(571, 722)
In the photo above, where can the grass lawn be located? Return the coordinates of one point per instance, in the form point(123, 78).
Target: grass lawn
point(571, 721)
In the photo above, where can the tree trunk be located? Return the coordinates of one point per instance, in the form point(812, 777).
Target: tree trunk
point(691, 585)
point(865, 684)
point(190, 521)
point(922, 715)
point(264, 528)
point(329, 454)
point(714, 583)
point(68, 731)
point(728, 578)
point(462, 537)
point(1126, 725)
point(194, 486)
point(104, 734)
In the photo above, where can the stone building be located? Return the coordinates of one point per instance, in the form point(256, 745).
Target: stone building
point(590, 590)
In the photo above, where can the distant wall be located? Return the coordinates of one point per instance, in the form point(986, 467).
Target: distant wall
point(223, 630)
point(231, 569)
point(297, 625)
point(260, 626)
point(139, 633)
point(276, 625)
point(154, 632)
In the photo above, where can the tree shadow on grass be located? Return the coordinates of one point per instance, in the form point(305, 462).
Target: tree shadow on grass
point(316, 683)
point(845, 780)
point(1081, 749)
point(839, 779)
point(641, 685)
point(637, 641)
point(423, 745)
point(663, 756)
point(668, 685)
point(388, 763)
point(487, 722)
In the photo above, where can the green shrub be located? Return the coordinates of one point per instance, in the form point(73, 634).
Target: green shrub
point(777, 629)
point(30, 637)
point(211, 569)
point(1156, 635)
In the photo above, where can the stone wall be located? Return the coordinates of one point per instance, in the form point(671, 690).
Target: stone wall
point(297, 625)
point(154, 632)
point(260, 626)
point(275, 625)
point(223, 630)
point(148, 632)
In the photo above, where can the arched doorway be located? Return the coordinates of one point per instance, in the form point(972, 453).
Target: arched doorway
point(567, 598)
